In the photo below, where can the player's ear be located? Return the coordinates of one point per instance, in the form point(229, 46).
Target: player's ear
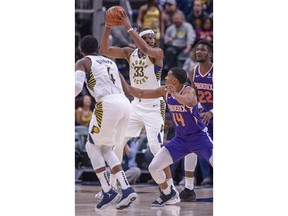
point(174, 81)
point(210, 54)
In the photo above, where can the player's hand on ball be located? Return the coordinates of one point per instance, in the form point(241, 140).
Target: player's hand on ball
point(114, 15)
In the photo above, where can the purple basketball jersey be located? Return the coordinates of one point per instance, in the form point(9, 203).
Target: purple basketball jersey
point(186, 119)
point(204, 87)
point(190, 132)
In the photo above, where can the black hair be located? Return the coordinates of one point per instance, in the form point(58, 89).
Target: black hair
point(89, 44)
point(207, 43)
point(180, 74)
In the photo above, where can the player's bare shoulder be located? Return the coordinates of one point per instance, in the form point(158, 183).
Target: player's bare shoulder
point(83, 64)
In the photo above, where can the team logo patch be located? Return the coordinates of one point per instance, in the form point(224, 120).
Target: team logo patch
point(95, 129)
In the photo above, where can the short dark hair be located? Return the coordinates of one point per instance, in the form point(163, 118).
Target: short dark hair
point(180, 74)
point(89, 44)
point(207, 43)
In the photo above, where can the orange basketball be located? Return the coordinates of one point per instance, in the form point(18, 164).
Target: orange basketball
point(114, 13)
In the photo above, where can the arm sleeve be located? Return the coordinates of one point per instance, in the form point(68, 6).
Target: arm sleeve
point(79, 81)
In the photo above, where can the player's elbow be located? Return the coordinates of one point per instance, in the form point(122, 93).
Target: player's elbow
point(102, 51)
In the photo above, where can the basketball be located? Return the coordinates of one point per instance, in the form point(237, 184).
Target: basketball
point(114, 13)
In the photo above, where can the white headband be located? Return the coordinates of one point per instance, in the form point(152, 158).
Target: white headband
point(148, 31)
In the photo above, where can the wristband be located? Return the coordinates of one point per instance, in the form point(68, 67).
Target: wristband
point(211, 111)
point(131, 29)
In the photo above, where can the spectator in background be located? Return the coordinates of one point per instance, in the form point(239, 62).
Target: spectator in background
point(208, 7)
point(185, 6)
point(150, 17)
point(83, 114)
point(121, 38)
point(129, 162)
point(196, 16)
point(206, 30)
point(169, 10)
point(179, 37)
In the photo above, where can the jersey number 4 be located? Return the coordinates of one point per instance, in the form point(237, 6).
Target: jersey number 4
point(111, 75)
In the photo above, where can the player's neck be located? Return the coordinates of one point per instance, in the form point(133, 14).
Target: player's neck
point(179, 88)
point(205, 66)
point(93, 54)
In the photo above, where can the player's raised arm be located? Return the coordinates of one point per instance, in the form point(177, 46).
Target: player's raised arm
point(112, 51)
point(154, 52)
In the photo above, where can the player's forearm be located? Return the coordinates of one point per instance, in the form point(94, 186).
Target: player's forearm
point(141, 93)
point(185, 99)
point(104, 46)
point(125, 85)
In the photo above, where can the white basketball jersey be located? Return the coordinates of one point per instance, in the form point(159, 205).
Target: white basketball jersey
point(143, 73)
point(103, 79)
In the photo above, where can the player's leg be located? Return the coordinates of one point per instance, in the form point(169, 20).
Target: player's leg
point(98, 164)
point(97, 133)
point(154, 125)
point(126, 131)
point(128, 194)
point(156, 168)
point(188, 194)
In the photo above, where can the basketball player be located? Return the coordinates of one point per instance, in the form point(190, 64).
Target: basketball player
point(109, 121)
point(145, 66)
point(201, 78)
point(190, 131)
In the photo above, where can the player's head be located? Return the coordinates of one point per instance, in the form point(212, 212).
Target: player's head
point(176, 73)
point(203, 51)
point(89, 45)
point(148, 35)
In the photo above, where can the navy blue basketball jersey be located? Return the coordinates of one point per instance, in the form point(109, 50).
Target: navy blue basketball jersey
point(204, 87)
point(186, 119)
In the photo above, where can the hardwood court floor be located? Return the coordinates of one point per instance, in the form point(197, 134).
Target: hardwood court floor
point(85, 203)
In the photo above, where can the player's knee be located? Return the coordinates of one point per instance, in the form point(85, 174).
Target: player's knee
point(154, 147)
point(152, 167)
